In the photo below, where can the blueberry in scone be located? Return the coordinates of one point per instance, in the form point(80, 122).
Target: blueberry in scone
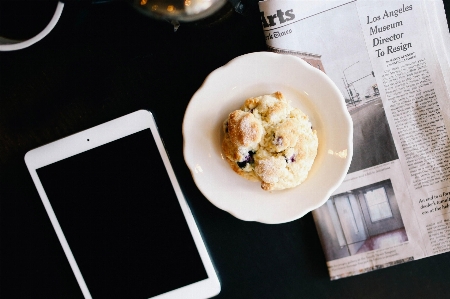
point(269, 141)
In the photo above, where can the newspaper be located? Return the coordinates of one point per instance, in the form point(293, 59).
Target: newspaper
point(390, 59)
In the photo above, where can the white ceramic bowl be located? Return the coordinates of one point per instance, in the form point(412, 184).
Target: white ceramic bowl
point(225, 90)
point(12, 45)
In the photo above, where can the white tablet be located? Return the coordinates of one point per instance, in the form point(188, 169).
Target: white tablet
point(120, 215)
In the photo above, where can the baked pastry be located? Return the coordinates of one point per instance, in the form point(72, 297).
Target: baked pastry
point(269, 141)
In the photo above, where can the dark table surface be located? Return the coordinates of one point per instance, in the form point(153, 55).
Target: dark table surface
point(103, 61)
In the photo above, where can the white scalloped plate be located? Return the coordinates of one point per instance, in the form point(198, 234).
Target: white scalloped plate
point(225, 90)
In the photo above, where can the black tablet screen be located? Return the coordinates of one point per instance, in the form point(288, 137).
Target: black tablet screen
point(122, 220)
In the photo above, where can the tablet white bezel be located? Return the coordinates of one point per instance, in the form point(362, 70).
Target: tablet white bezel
point(95, 137)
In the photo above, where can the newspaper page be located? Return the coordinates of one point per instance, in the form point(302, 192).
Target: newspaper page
point(390, 60)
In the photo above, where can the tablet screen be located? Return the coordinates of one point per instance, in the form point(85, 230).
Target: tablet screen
point(122, 220)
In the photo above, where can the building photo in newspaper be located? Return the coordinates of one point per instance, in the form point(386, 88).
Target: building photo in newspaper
point(360, 220)
point(391, 62)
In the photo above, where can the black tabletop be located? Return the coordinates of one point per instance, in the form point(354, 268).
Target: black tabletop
point(103, 61)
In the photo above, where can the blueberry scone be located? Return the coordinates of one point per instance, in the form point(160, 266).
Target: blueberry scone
point(269, 141)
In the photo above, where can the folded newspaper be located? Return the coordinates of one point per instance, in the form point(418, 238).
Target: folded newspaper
point(391, 61)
